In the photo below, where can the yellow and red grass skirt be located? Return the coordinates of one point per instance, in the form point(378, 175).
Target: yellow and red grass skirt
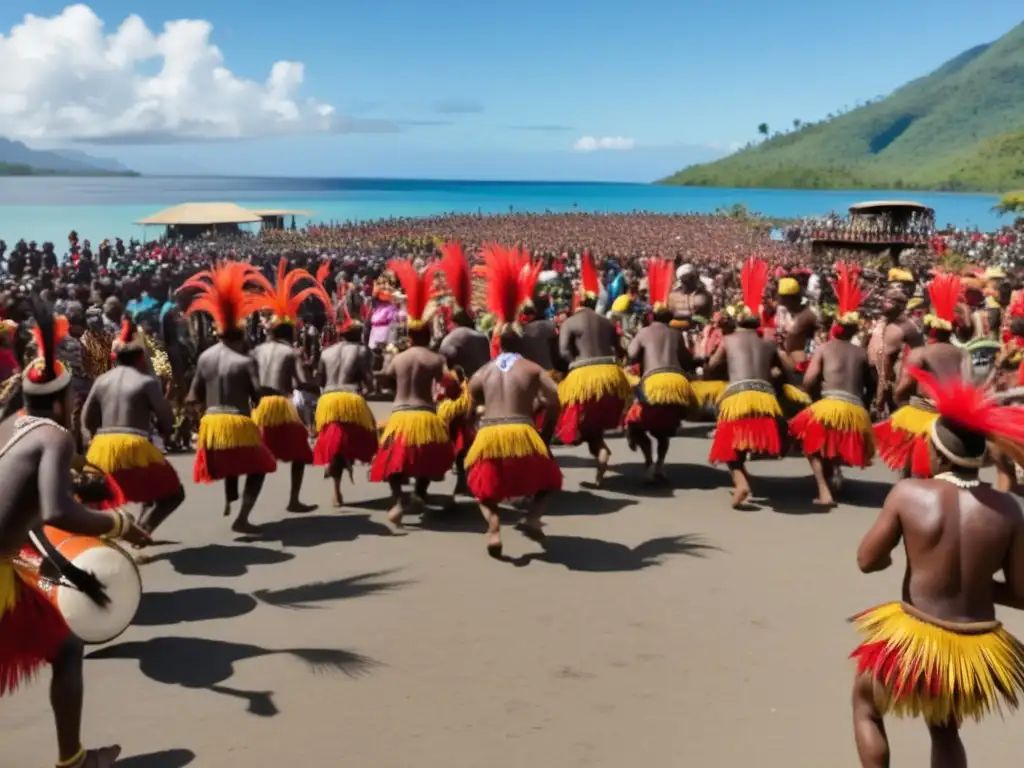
point(509, 460)
point(282, 429)
point(837, 427)
point(704, 399)
point(457, 415)
point(593, 398)
point(414, 443)
point(32, 631)
point(661, 401)
point(749, 422)
point(230, 445)
point(941, 671)
point(902, 440)
point(135, 464)
point(345, 429)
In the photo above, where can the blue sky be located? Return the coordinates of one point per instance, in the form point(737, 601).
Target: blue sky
point(505, 90)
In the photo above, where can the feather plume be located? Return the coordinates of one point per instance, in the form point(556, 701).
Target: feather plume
point(456, 272)
point(415, 286)
point(323, 272)
point(346, 323)
point(529, 273)
point(847, 289)
point(754, 279)
point(127, 331)
point(945, 292)
point(284, 298)
point(504, 270)
point(659, 282)
point(589, 280)
point(223, 292)
point(47, 333)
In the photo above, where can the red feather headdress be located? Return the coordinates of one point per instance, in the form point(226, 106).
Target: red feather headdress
point(284, 298)
point(945, 292)
point(972, 408)
point(848, 293)
point(417, 289)
point(590, 283)
point(659, 283)
point(753, 281)
point(346, 323)
point(511, 278)
point(46, 375)
point(456, 272)
point(322, 273)
point(224, 293)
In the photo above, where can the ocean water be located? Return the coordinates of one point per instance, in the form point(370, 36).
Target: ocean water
point(39, 208)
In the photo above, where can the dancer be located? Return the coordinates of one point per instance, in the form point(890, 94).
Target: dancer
point(35, 464)
point(749, 416)
point(346, 430)
point(664, 393)
point(226, 381)
point(540, 337)
point(465, 351)
point(595, 392)
point(902, 440)
point(509, 458)
point(836, 429)
point(118, 416)
point(415, 444)
point(797, 331)
point(940, 654)
point(281, 371)
point(887, 342)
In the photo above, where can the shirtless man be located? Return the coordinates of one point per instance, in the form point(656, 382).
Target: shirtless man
point(36, 450)
point(344, 372)
point(934, 655)
point(540, 339)
point(800, 325)
point(117, 417)
point(692, 299)
point(280, 370)
point(888, 338)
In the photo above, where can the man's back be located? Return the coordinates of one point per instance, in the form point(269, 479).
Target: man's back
point(587, 335)
point(277, 363)
point(227, 378)
point(843, 367)
point(509, 386)
point(467, 348)
point(749, 356)
point(345, 365)
point(416, 370)
point(657, 346)
point(124, 397)
point(540, 343)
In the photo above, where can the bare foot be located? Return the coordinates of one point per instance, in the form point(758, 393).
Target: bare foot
point(244, 526)
point(534, 532)
point(824, 500)
point(100, 758)
point(494, 548)
point(141, 557)
point(338, 501)
point(227, 510)
point(395, 517)
point(739, 495)
point(649, 475)
point(659, 475)
point(298, 507)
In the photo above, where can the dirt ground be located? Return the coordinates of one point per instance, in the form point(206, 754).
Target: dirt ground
point(661, 628)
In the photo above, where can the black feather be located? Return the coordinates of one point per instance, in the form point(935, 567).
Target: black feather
point(42, 312)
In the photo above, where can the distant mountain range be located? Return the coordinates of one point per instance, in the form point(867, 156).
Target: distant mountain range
point(16, 159)
point(961, 128)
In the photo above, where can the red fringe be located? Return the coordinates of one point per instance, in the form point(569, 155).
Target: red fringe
point(147, 484)
point(288, 442)
point(31, 635)
point(431, 461)
point(495, 480)
point(885, 664)
point(655, 418)
point(761, 432)
point(213, 465)
point(590, 419)
point(347, 441)
point(900, 450)
point(817, 439)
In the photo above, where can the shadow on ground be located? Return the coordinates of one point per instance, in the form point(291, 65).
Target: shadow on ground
point(167, 758)
point(795, 495)
point(323, 591)
point(201, 663)
point(190, 605)
point(313, 530)
point(579, 553)
point(220, 560)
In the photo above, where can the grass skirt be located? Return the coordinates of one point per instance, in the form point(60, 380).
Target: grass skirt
point(346, 429)
point(661, 403)
point(32, 631)
point(704, 401)
point(414, 443)
point(230, 445)
point(282, 429)
point(593, 399)
point(835, 430)
point(135, 464)
point(509, 460)
point(902, 440)
point(749, 422)
point(457, 415)
point(942, 672)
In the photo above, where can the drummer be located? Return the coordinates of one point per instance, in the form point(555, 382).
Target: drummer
point(36, 449)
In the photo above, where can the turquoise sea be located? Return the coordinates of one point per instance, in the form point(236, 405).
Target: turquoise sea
point(38, 208)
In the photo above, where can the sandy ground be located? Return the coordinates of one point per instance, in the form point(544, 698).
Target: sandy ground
point(661, 628)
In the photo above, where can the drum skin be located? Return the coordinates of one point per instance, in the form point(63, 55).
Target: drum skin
point(115, 570)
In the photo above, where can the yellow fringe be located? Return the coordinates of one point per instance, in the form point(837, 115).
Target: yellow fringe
point(795, 395)
point(633, 379)
point(224, 431)
point(415, 428)
point(556, 375)
point(705, 392)
point(343, 408)
point(841, 415)
point(592, 382)
point(505, 441)
point(449, 410)
point(914, 420)
point(8, 587)
point(274, 411)
point(115, 451)
point(747, 405)
point(980, 671)
point(667, 388)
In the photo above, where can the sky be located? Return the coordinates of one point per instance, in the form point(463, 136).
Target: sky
point(536, 89)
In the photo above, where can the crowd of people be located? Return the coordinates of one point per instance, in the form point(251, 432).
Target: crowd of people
point(496, 338)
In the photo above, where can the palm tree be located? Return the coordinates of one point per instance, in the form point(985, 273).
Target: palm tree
point(763, 129)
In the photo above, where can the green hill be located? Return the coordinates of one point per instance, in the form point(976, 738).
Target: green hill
point(959, 128)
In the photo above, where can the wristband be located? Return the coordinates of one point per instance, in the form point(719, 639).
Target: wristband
point(120, 525)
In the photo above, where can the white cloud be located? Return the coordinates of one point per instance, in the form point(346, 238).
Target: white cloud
point(62, 77)
point(593, 143)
